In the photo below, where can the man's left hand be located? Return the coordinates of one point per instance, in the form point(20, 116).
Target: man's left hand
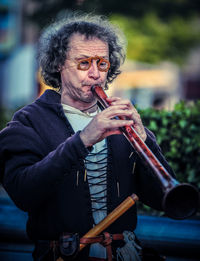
point(135, 116)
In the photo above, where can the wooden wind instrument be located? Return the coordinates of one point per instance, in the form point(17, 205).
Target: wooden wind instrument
point(108, 220)
point(180, 201)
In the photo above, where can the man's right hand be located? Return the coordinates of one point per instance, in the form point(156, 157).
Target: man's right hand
point(104, 124)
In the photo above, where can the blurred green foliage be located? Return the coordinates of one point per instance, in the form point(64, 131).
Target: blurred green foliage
point(156, 30)
point(152, 40)
point(178, 134)
point(164, 9)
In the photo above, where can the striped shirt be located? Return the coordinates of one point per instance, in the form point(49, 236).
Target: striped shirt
point(96, 165)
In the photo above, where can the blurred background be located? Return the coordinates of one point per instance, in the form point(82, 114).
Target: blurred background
point(161, 76)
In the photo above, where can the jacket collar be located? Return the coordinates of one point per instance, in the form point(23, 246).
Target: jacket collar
point(50, 97)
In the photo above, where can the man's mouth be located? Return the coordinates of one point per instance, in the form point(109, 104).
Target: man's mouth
point(90, 85)
point(87, 88)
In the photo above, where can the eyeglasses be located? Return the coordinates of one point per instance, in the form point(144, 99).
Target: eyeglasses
point(102, 64)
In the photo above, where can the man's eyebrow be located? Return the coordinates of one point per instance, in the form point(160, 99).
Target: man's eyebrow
point(82, 56)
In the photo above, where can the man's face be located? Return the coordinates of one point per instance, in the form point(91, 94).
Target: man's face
point(76, 83)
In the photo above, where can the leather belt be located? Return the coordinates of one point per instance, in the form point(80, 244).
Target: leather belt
point(105, 239)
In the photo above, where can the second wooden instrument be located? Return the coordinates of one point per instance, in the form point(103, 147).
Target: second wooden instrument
point(107, 221)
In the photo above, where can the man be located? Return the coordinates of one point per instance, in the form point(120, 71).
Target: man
point(63, 160)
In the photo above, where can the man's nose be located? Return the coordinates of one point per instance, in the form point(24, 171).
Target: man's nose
point(93, 70)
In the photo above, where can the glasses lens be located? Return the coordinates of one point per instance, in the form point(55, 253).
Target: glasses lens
point(103, 65)
point(84, 65)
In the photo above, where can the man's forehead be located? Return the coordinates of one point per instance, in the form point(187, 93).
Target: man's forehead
point(79, 43)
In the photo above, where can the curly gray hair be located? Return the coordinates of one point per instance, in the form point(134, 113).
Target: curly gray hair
point(53, 45)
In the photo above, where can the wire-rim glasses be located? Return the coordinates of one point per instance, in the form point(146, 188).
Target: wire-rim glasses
point(102, 64)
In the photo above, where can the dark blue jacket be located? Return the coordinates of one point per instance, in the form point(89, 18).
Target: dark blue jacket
point(40, 156)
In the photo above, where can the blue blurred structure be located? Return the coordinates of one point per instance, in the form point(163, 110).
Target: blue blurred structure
point(178, 240)
point(9, 26)
point(14, 244)
point(18, 67)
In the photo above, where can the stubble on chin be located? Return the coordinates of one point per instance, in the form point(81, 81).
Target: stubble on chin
point(78, 94)
point(87, 98)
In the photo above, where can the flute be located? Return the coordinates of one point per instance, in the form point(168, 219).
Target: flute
point(180, 201)
point(108, 220)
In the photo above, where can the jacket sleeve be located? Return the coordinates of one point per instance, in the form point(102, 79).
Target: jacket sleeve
point(29, 175)
point(149, 189)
